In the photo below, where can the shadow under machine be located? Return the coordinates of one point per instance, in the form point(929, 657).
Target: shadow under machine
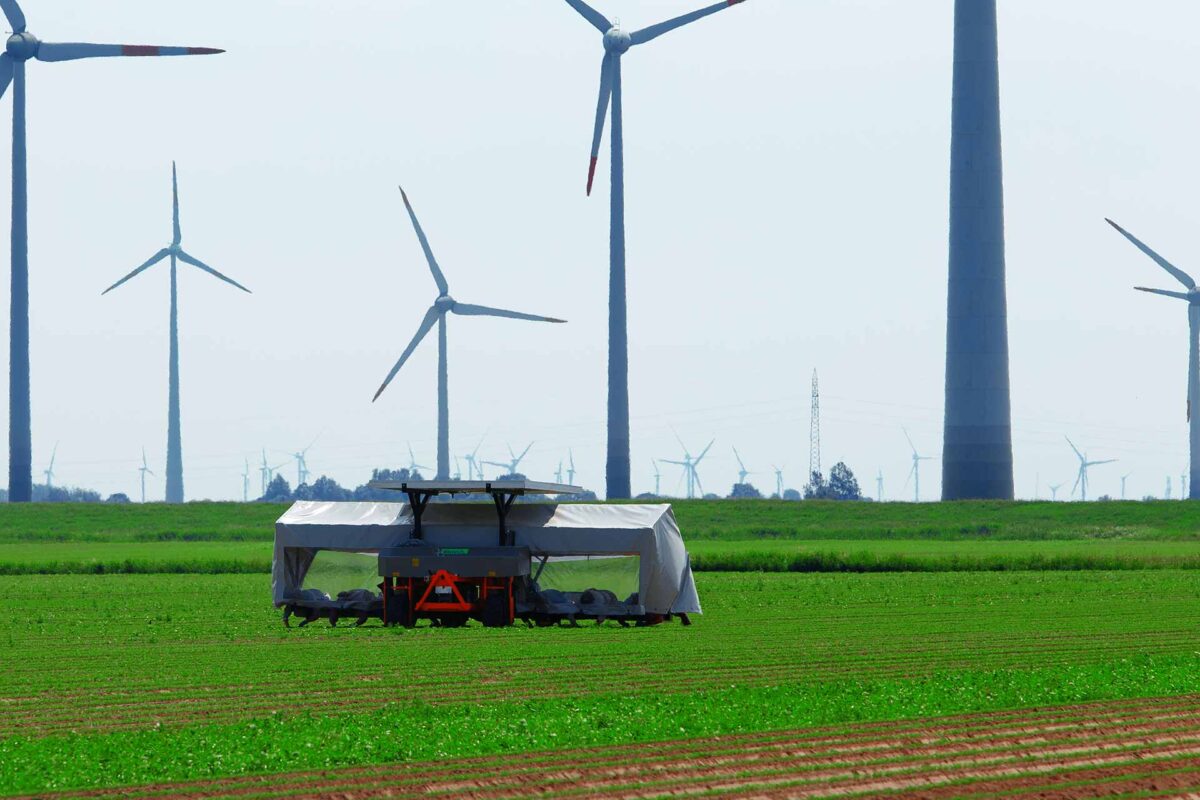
point(495, 562)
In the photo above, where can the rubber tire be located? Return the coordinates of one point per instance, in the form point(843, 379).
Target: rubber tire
point(495, 611)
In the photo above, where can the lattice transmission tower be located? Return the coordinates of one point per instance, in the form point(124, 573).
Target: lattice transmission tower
point(814, 435)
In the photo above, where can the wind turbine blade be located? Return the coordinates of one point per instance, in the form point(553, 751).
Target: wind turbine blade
point(6, 73)
point(13, 13)
point(739, 458)
point(696, 478)
point(705, 452)
point(1078, 478)
point(911, 472)
point(677, 463)
point(606, 85)
point(154, 259)
point(431, 317)
point(175, 204)
point(1179, 274)
point(1165, 293)
point(468, 310)
point(654, 31)
point(438, 277)
point(910, 441)
point(524, 453)
point(1076, 449)
point(591, 15)
point(195, 262)
point(73, 51)
point(1098, 463)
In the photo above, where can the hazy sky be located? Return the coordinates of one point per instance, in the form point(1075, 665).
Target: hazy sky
point(787, 173)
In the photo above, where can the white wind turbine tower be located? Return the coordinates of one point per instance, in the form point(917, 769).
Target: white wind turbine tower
point(558, 473)
point(1167, 494)
point(742, 471)
point(268, 472)
point(302, 463)
point(657, 478)
point(49, 473)
point(1081, 480)
point(570, 467)
point(879, 487)
point(1054, 487)
point(413, 466)
point(1192, 297)
point(457, 470)
point(443, 306)
point(511, 466)
point(778, 481)
point(246, 482)
point(144, 470)
point(1124, 478)
point(474, 471)
point(689, 468)
point(914, 474)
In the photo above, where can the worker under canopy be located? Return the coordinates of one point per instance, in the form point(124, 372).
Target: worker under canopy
point(665, 584)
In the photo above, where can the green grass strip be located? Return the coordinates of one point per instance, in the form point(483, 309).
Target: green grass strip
point(414, 731)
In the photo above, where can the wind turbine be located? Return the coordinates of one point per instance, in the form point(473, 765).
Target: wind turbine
point(49, 472)
point(616, 43)
point(302, 463)
point(1192, 297)
point(689, 468)
point(474, 471)
point(657, 478)
point(1081, 481)
point(457, 470)
point(246, 482)
point(443, 305)
point(879, 487)
point(1167, 495)
point(571, 467)
point(413, 466)
point(778, 481)
point(742, 471)
point(1124, 478)
point(20, 48)
point(268, 472)
point(144, 470)
point(176, 253)
point(558, 473)
point(512, 465)
point(915, 473)
point(1054, 487)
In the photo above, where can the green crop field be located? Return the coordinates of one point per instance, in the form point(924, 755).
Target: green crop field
point(724, 519)
point(113, 680)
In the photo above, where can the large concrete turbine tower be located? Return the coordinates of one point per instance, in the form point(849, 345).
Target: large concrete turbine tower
point(977, 451)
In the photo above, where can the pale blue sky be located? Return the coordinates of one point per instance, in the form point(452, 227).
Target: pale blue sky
point(787, 169)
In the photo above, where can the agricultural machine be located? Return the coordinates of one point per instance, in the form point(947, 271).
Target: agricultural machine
point(449, 563)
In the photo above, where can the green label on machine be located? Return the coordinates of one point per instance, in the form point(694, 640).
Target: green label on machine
point(454, 551)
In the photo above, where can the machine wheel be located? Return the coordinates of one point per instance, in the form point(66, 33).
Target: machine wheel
point(453, 620)
point(399, 612)
point(495, 611)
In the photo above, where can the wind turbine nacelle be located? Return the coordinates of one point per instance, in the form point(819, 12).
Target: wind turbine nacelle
point(444, 303)
point(617, 41)
point(22, 46)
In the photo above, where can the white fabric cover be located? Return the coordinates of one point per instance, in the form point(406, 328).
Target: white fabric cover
point(647, 531)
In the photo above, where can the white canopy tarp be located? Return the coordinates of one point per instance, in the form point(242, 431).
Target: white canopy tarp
point(665, 583)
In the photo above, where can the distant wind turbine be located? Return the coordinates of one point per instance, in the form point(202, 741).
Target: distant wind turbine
point(689, 465)
point(1054, 487)
point(914, 474)
point(879, 487)
point(246, 482)
point(778, 481)
point(558, 473)
point(616, 43)
point(657, 478)
point(570, 467)
point(457, 470)
point(1192, 297)
point(175, 252)
point(474, 471)
point(20, 48)
point(413, 466)
point(49, 472)
point(1167, 494)
point(512, 465)
point(1124, 478)
point(144, 470)
point(436, 315)
point(302, 463)
point(268, 472)
point(1081, 480)
point(742, 471)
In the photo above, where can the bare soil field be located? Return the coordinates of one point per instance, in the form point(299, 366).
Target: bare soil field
point(1146, 748)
